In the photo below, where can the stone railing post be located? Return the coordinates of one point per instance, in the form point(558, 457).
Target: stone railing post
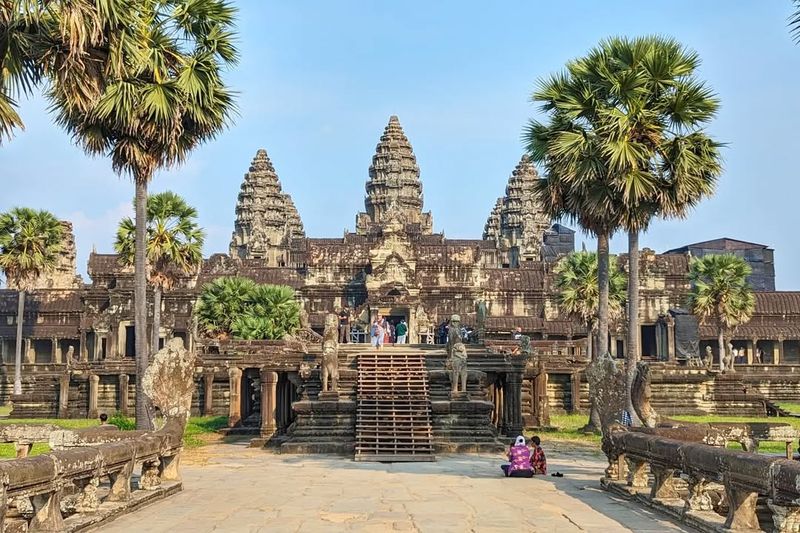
point(269, 403)
point(698, 498)
point(741, 506)
point(663, 487)
point(63, 395)
point(208, 394)
point(637, 473)
point(123, 393)
point(94, 384)
point(513, 399)
point(235, 406)
point(47, 512)
point(575, 391)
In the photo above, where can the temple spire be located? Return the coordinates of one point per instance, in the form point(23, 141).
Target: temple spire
point(394, 190)
point(267, 220)
point(517, 220)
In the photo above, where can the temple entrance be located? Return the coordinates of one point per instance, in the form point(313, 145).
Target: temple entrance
point(251, 397)
point(394, 315)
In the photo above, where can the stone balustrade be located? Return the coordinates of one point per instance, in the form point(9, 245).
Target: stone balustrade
point(24, 436)
point(692, 480)
point(91, 480)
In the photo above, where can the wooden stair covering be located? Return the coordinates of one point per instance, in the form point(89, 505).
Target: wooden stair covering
point(393, 415)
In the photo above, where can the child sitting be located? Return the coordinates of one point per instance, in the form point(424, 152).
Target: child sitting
point(538, 460)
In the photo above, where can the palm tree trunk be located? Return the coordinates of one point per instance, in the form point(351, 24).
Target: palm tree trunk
point(602, 304)
point(156, 318)
point(600, 348)
point(18, 353)
point(632, 353)
point(721, 341)
point(140, 304)
point(589, 344)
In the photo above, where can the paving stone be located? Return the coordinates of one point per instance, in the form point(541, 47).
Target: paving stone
point(239, 489)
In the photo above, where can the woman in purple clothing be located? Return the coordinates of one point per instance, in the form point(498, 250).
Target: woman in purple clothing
point(520, 457)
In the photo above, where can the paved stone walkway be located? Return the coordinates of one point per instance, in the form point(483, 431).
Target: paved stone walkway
point(237, 489)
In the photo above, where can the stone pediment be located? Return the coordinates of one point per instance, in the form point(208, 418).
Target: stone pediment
point(394, 270)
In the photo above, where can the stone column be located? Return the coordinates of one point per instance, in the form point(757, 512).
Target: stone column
point(111, 345)
point(63, 396)
point(513, 398)
point(29, 357)
point(208, 394)
point(235, 406)
point(94, 385)
point(123, 393)
point(84, 355)
point(751, 352)
point(575, 391)
point(779, 355)
point(269, 403)
point(670, 340)
point(55, 351)
point(613, 346)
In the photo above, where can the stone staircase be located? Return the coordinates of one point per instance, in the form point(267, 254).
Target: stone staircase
point(393, 414)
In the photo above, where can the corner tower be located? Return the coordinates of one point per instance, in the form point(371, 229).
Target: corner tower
point(267, 220)
point(394, 190)
point(517, 222)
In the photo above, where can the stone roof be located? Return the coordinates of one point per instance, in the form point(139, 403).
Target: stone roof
point(722, 244)
point(778, 303)
point(42, 301)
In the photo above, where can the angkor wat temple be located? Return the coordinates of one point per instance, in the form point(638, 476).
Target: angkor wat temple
point(79, 337)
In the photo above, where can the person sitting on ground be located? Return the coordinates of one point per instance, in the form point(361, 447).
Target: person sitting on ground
point(520, 457)
point(538, 460)
point(104, 422)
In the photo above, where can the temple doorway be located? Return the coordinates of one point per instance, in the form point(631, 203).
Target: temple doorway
point(251, 397)
point(394, 315)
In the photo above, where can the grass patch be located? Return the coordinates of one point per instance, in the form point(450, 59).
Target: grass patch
point(197, 433)
point(793, 408)
point(568, 429)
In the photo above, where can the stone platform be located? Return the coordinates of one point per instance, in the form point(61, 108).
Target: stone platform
point(283, 493)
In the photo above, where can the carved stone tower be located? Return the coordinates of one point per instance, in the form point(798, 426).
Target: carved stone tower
point(394, 191)
point(517, 222)
point(267, 221)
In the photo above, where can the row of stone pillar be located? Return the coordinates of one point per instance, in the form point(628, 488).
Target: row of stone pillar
point(94, 388)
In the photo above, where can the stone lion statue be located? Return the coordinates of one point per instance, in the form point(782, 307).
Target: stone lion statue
point(456, 355)
point(330, 353)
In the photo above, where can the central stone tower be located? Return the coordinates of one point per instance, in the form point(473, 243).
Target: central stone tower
point(394, 190)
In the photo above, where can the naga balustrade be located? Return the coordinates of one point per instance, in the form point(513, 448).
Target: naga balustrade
point(41, 490)
point(743, 476)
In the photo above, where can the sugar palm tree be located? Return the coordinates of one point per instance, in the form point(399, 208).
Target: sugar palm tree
point(720, 294)
point(30, 241)
point(649, 111)
point(578, 294)
point(794, 21)
point(174, 247)
point(162, 95)
point(220, 303)
point(57, 37)
point(272, 312)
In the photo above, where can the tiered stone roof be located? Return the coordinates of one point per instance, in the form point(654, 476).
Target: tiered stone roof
point(394, 190)
point(266, 217)
point(522, 223)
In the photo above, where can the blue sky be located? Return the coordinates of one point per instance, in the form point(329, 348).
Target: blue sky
point(318, 81)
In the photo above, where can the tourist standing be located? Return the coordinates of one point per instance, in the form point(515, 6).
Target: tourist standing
point(378, 332)
point(402, 331)
point(344, 325)
point(518, 333)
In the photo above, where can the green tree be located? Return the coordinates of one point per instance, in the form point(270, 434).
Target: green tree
point(220, 303)
point(162, 95)
point(56, 40)
point(578, 294)
point(650, 113)
point(174, 246)
point(272, 312)
point(720, 294)
point(630, 114)
point(30, 242)
point(238, 307)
